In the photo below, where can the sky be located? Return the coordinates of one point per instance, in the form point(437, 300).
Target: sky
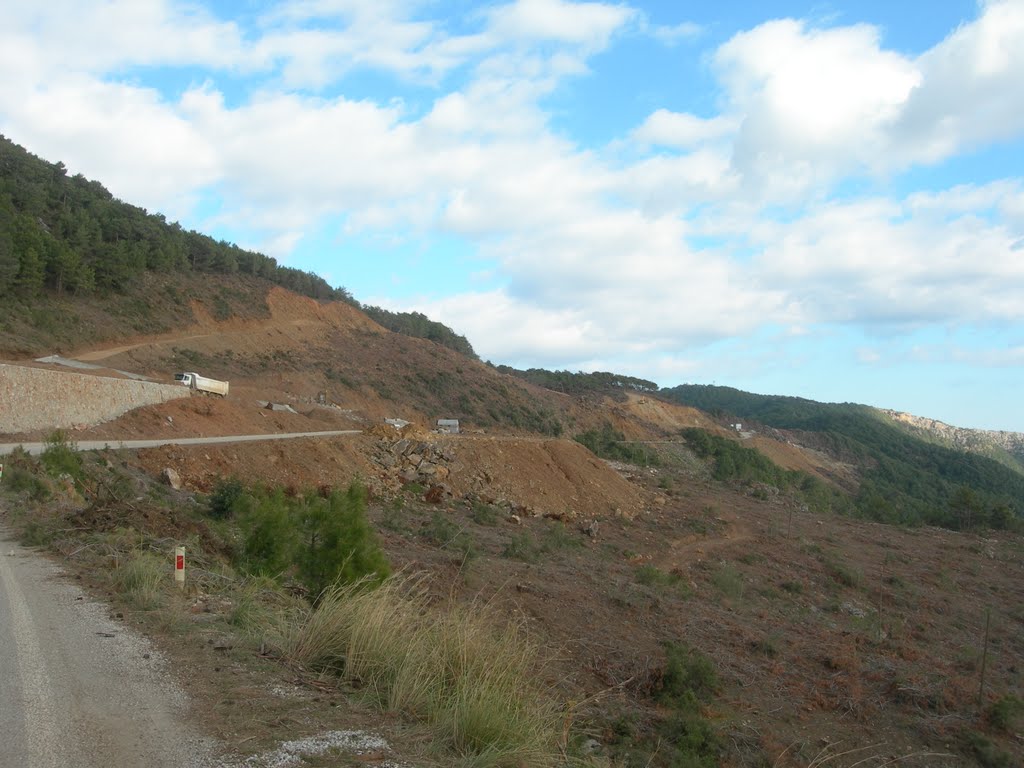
point(819, 199)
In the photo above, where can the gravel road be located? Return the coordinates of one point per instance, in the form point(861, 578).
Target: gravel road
point(78, 690)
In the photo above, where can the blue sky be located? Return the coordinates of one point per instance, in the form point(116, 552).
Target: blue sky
point(823, 199)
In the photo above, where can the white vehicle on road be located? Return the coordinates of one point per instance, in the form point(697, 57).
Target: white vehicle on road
point(199, 383)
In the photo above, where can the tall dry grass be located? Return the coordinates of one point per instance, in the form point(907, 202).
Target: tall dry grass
point(464, 670)
point(144, 579)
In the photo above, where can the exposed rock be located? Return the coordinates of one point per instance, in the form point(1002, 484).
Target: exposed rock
point(172, 478)
point(589, 528)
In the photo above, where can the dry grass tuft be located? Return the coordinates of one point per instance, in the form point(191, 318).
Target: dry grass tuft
point(464, 670)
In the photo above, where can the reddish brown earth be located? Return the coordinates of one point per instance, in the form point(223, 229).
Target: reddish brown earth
point(828, 634)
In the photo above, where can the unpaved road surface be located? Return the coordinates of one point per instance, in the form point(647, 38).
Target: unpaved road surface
point(78, 690)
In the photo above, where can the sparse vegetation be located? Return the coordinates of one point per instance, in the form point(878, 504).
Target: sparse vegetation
point(463, 670)
point(520, 546)
point(610, 443)
point(143, 579)
point(682, 737)
point(729, 582)
point(60, 456)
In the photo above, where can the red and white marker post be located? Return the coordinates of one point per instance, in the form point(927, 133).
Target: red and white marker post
point(179, 566)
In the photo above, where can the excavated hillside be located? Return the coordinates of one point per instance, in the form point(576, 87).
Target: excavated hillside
point(831, 640)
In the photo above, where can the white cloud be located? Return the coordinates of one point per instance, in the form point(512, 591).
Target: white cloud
point(814, 103)
point(601, 255)
point(126, 135)
point(674, 129)
point(590, 25)
point(970, 91)
point(117, 33)
point(879, 262)
point(671, 35)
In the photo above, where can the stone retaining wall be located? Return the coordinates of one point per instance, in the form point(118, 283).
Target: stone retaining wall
point(36, 398)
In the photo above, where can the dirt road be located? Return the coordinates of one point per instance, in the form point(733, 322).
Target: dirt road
point(78, 690)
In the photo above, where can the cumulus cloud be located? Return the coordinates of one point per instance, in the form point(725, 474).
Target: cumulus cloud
point(599, 254)
point(674, 129)
point(879, 261)
point(586, 24)
point(814, 103)
point(969, 91)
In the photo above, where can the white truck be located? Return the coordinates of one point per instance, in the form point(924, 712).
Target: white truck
point(199, 383)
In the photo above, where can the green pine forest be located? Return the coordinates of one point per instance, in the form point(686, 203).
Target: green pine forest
point(66, 236)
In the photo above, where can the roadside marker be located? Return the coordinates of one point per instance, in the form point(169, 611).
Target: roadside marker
point(179, 566)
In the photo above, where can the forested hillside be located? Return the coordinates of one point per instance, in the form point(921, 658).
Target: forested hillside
point(580, 383)
point(66, 237)
point(903, 478)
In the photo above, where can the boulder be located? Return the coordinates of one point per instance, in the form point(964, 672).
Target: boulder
point(172, 478)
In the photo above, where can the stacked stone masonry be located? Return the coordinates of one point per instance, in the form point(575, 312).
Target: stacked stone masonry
point(35, 398)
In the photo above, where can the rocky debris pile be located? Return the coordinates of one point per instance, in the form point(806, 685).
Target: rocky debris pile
point(521, 478)
point(415, 460)
point(405, 460)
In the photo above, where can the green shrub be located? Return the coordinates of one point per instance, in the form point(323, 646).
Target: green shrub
point(393, 517)
point(690, 740)
point(688, 678)
point(439, 530)
point(268, 533)
point(555, 537)
point(520, 547)
point(987, 754)
point(681, 737)
point(60, 456)
point(223, 497)
point(337, 542)
point(652, 576)
point(841, 572)
point(483, 514)
point(37, 533)
point(322, 540)
point(1005, 712)
point(20, 480)
point(609, 443)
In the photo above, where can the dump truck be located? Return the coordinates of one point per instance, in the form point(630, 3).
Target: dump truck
point(199, 383)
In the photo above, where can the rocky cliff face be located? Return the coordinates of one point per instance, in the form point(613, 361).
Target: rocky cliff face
point(978, 440)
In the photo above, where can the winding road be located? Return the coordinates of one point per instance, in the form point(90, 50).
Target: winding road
point(95, 445)
point(77, 689)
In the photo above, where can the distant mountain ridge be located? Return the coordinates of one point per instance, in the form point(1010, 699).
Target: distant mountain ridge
point(906, 475)
point(1001, 445)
